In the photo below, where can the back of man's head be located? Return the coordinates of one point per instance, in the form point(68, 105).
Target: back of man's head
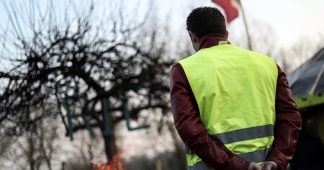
point(206, 20)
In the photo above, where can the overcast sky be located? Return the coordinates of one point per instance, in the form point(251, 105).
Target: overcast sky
point(285, 22)
point(291, 20)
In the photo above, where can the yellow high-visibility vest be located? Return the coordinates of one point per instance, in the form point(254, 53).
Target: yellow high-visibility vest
point(235, 91)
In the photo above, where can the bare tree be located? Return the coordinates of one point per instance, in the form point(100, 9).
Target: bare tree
point(56, 60)
point(5, 143)
point(38, 145)
point(298, 53)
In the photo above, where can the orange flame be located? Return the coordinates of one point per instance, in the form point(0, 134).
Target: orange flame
point(115, 164)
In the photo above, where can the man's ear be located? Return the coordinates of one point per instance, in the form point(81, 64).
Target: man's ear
point(194, 37)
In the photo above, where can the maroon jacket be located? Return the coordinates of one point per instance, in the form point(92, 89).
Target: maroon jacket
point(194, 135)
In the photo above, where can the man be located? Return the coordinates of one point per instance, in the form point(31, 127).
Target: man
point(232, 107)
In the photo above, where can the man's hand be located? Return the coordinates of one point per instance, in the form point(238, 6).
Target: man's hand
point(269, 165)
point(254, 166)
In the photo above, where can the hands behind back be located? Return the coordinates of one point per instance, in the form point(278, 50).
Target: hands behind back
point(268, 165)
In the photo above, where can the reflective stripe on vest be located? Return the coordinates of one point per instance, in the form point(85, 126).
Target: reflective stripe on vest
point(245, 134)
point(235, 92)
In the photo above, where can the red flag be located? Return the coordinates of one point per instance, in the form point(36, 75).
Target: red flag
point(230, 11)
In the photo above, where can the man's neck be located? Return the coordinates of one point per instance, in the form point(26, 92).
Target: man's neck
point(210, 40)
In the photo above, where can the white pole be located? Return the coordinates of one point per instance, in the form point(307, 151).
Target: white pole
point(249, 41)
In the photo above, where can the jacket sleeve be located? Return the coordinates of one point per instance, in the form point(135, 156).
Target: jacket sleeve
point(191, 129)
point(287, 126)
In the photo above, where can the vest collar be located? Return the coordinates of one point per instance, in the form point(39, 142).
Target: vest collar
point(210, 40)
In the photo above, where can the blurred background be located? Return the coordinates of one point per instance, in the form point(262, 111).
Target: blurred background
point(84, 84)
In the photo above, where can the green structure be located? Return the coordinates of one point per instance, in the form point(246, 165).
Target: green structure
point(77, 113)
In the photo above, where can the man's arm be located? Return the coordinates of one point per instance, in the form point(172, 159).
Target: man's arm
point(191, 129)
point(288, 124)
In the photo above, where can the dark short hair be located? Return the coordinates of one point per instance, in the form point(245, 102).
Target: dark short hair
point(206, 20)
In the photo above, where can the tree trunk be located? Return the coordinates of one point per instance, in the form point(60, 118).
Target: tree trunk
point(110, 146)
point(107, 130)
